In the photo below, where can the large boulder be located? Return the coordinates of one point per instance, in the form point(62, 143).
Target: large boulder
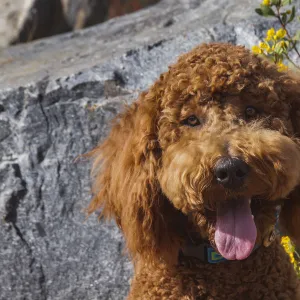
point(57, 97)
point(84, 13)
point(23, 21)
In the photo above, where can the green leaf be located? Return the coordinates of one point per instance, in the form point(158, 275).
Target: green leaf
point(259, 11)
point(284, 18)
point(280, 57)
point(297, 36)
point(275, 2)
point(267, 11)
point(286, 2)
point(278, 49)
point(285, 47)
point(292, 15)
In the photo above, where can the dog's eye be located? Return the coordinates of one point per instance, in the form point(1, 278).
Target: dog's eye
point(191, 121)
point(251, 112)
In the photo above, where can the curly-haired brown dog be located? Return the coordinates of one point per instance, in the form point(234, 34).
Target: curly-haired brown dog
point(206, 156)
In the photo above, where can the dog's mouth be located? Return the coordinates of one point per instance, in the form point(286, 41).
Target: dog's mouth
point(235, 229)
point(234, 222)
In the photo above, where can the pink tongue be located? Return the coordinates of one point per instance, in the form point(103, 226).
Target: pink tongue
point(235, 230)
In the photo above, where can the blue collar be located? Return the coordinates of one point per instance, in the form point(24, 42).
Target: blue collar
point(205, 252)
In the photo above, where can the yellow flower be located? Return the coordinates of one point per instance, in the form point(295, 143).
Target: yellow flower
point(270, 34)
point(265, 46)
point(284, 45)
point(266, 2)
point(282, 68)
point(292, 258)
point(285, 240)
point(280, 34)
point(291, 251)
point(256, 50)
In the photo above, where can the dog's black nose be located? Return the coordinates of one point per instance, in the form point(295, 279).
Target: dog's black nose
point(231, 172)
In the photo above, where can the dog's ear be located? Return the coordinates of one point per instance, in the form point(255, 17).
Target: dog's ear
point(290, 213)
point(126, 187)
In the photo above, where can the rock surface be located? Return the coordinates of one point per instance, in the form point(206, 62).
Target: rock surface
point(57, 97)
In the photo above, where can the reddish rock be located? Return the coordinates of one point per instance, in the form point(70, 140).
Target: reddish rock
point(24, 21)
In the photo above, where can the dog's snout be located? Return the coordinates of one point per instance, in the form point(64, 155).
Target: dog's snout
point(231, 172)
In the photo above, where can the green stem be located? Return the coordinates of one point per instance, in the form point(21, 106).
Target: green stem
point(287, 33)
point(288, 58)
point(297, 254)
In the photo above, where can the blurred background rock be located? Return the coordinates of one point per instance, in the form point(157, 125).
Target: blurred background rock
point(26, 20)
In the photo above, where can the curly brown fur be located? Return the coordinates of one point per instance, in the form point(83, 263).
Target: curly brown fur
point(265, 275)
point(155, 175)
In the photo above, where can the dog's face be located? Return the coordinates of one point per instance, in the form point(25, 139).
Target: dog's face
point(215, 138)
point(230, 158)
point(231, 155)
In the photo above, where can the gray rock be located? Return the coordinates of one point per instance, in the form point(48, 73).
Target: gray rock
point(57, 97)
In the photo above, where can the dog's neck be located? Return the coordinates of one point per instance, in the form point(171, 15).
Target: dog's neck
point(203, 252)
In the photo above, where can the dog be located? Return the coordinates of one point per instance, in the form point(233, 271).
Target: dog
point(200, 174)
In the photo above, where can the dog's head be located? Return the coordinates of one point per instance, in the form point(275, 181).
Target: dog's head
point(211, 148)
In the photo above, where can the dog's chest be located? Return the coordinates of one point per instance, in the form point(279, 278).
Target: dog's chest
point(267, 275)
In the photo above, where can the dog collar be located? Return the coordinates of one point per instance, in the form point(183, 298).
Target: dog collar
point(205, 252)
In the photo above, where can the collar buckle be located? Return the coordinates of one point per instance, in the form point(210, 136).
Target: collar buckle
point(214, 257)
point(203, 252)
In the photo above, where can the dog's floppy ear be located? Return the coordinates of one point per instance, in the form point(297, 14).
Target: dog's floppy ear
point(290, 214)
point(126, 187)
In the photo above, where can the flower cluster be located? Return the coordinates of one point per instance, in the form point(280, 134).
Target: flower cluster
point(273, 47)
point(291, 251)
point(288, 247)
point(277, 45)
